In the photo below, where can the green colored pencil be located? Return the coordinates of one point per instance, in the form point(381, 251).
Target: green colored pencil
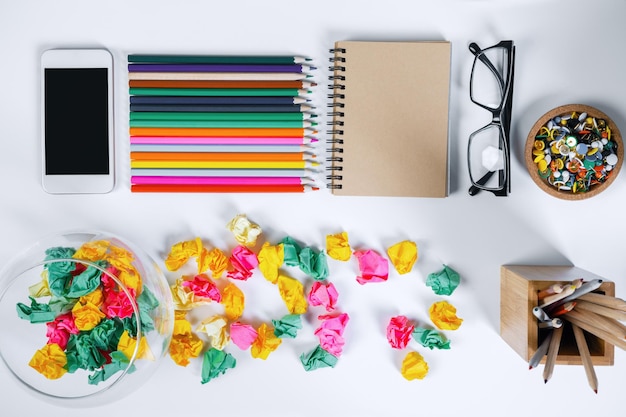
point(217, 116)
point(284, 92)
point(222, 123)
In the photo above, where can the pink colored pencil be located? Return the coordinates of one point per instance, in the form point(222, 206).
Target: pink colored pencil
point(186, 140)
point(163, 180)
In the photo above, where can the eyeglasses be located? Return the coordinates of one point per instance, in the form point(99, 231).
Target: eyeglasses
point(491, 87)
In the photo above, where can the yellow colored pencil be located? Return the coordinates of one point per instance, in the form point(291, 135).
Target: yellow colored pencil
point(223, 164)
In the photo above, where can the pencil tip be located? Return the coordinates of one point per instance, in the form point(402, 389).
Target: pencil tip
point(595, 390)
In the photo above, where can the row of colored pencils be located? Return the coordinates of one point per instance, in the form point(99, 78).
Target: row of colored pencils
point(221, 124)
point(581, 307)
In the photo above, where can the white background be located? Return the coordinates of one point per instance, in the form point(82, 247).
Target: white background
point(567, 52)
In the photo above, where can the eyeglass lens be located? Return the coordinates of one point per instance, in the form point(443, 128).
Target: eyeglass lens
point(487, 153)
point(489, 76)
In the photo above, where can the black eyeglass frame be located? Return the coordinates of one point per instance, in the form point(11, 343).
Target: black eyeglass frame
point(500, 116)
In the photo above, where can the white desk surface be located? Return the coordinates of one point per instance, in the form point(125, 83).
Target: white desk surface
point(567, 52)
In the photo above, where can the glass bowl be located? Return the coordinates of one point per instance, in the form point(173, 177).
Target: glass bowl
point(86, 317)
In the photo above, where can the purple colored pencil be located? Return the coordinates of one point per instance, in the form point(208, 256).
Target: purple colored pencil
point(215, 68)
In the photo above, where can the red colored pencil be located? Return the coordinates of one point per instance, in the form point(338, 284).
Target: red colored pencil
point(243, 188)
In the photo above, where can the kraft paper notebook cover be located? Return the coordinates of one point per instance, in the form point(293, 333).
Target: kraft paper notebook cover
point(390, 119)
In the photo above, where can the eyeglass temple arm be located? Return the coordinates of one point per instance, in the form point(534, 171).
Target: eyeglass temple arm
point(507, 116)
point(509, 101)
point(482, 181)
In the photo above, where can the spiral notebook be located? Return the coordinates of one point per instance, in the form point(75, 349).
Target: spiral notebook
point(390, 119)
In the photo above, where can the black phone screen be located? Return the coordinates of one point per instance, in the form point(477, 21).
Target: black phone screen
point(76, 121)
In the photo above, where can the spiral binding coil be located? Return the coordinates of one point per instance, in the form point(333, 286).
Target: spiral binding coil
point(337, 95)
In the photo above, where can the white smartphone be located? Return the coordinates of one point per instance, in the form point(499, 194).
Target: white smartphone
point(77, 121)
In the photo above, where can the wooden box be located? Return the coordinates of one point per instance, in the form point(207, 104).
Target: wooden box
point(518, 326)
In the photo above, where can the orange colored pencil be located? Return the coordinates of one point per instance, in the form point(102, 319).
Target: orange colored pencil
point(243, 188)
point(297, 84)
point(220, 132)
point(563, 309)
point(217, 156)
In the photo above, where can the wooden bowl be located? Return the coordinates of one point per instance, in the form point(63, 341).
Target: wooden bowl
point(562, 140)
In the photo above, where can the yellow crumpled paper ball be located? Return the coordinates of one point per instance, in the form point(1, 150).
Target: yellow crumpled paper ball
point(185, 344)
point(96, 297)
point(184, 347)
point(86, 316)
point(292, 292)
point(181, 252)
point(337, 246)
point(443, 315)
point(213, 260)
point(403, 256)
point(127, 346)
point(233, 300)
point(49, 361)
point(271, 258)
point(265, 343)
point(414, 366)
point(92, 251)
point(40, 289)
